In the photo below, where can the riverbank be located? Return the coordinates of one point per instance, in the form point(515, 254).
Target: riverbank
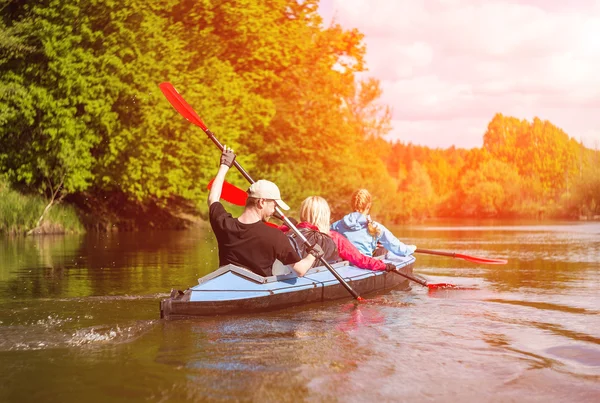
point(113, 211)
point(99, 212)
point(103, 212)
point(19, 213)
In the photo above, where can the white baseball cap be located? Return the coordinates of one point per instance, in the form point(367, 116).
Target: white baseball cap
point(264, 189)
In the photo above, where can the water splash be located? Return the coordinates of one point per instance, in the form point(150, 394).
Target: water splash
point(46, 334)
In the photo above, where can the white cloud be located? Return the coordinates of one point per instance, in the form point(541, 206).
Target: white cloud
point(440, 133)
point(453, 62)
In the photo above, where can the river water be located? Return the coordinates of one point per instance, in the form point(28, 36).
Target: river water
point(79, 321)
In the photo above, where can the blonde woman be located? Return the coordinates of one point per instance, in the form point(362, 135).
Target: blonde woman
point(315, 217)
point(364, 233)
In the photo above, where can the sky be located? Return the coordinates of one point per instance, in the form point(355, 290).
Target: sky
point(447, 67)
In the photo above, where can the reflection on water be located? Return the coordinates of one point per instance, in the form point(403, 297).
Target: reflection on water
point(79, 321)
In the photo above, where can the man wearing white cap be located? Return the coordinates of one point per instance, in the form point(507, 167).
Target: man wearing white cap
point(247, 241)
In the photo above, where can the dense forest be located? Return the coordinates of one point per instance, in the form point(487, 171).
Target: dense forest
point(84, 123)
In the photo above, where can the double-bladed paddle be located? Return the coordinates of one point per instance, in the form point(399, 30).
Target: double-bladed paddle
point(187, 112)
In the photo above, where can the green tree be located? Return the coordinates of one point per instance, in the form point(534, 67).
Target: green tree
point(417, 194)
point(47, 81)
point(316, 140)
point(490, 190)
point(585, 200)
point(539, 150)
point(81, 109)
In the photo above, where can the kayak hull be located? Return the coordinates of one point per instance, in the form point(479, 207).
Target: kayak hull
point(234, 290)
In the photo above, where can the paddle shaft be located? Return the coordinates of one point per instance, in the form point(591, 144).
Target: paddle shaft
point(435, 252)
point(474, 259)
point(408, 276)
point(235, 163)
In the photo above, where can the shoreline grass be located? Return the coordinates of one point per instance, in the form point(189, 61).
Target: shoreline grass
point(19, 213)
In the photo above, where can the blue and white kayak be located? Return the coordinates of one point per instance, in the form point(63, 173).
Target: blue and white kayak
point(232, 289)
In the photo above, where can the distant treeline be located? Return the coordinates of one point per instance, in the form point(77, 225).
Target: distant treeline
point(82, 117)
point(524, 169)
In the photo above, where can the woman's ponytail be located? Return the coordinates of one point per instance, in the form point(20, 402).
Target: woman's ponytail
point(372, 228)
point(361, 201)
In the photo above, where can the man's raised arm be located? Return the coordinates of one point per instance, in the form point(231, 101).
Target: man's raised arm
point(227, 158)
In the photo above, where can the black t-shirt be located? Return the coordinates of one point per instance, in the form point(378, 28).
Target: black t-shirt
point(254, 246)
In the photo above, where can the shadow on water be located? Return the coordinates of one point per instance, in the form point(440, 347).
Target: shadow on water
point(104, 264)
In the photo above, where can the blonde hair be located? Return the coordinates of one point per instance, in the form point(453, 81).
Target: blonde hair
point(315, 210)
point(361, 200)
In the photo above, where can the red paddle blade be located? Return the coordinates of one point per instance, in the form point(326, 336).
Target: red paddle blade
point(480, 259)
point(235, 195)
point(181, 105)
point(231, 193)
